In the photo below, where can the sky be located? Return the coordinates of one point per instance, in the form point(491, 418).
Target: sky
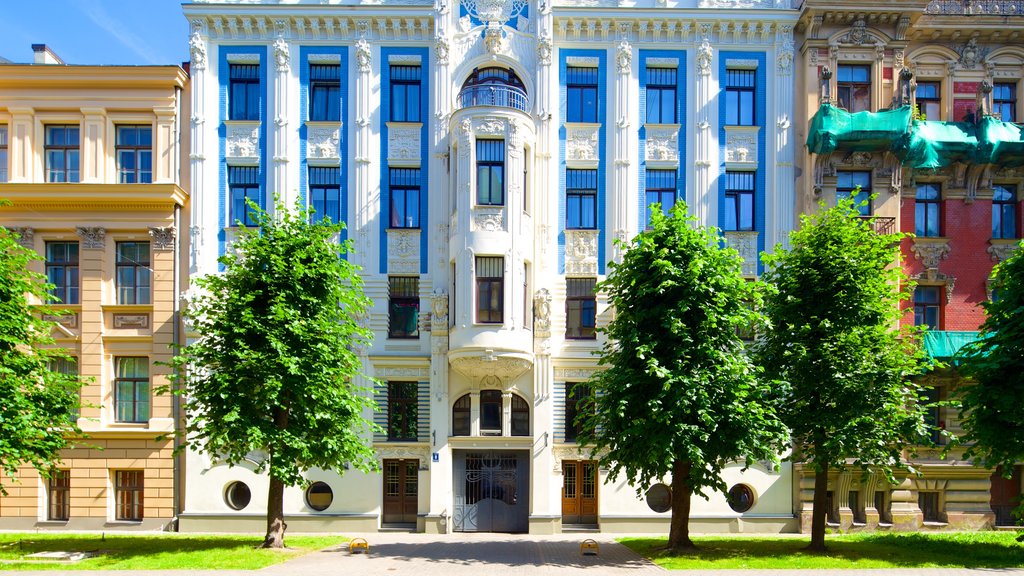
point(139, 32)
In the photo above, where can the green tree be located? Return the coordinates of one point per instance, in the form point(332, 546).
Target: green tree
point(679, 396)
point(992, 409)
point(272, 368)
point(37, 404)
point(844, 367)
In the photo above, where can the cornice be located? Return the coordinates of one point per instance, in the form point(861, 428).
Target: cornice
point(115, 197)
point(25, 76)
point(311, 23)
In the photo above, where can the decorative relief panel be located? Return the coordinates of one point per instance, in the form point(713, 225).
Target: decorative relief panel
point(581, 145)
point(746, 244)
point(322, 143)
point(573, 374)
point(163, 238)
point(1000, 250)
point(403, 251)
point(930, 251)
point(65, 320)
point(26, 236)
point(388, 452)
point(741, 146)
point(409, 373)
point(404, 144)
point(242, 144)
point(662, 148)
point(489, 219)
point(131, 320)
point(92, 238)
point(581, 252)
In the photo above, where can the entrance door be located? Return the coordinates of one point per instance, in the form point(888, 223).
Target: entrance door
point(401, 491)
point(579, 492)
point(1004, 493)
point(491, 491)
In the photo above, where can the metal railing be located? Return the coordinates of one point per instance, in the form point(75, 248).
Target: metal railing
point(976, 7)
point(493, 95)
point(881, 224)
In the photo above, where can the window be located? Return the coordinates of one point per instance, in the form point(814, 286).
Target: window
point(490, 172)
point(932, 417)
point(129, 495)
point(133, 273)
point(61, 151)
point(403, 307)
point(928, 210)
point(237, 495)
point(69, 367)
point(520, 425)
point(928, 502)
point(325, 92)
point(490, 299)
point(325, 194)
point(579, 399)
point(929, 100)
point(402, 411)
point(581, 199)
point(853, 87)
point(493, 86)
point(739, 200)
point(490, 412)
point(581, 94)
point(853, 501)
point(739, 97)
point(3, 153)
point(741, 498)
point(926, 307)
point(580, 308)
point(405, 93)
point(244, 92)
point(131, 389)
point(460, 416)
point(62, 271)
point(1004, 211)
point(661, 95)
point(856, 185)
point(319, 496)
point(661, 190)
point(134, 154)
point(883, 506)
point(405, 197)
point(243, 184)
point(1004, 101)
point(59, 496)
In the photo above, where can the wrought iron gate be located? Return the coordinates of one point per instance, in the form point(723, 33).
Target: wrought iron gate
point(491, 491)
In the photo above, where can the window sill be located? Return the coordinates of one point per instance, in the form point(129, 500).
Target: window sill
point(127, 307)
point(53, 522)
point(124, 522)
point(404, 338)
point(404, 228)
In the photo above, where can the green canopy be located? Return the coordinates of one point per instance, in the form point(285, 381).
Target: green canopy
point(944, 344)
point(833, 128)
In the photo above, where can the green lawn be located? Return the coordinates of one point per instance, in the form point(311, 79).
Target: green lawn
point(902, 550)
point(153, 552)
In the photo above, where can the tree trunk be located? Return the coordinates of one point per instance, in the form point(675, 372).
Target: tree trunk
point(679, 531)
point(819, 513)
point(275, 515)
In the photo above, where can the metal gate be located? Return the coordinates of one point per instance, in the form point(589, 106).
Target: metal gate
point(491, 491)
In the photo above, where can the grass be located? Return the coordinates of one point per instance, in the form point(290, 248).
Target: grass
point(153, 552)
point(850, 551)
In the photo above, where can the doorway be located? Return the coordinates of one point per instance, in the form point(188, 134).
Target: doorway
point(401, 492)
point(579, 493)
point(491, 491)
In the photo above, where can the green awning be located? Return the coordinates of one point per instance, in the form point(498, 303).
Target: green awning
point(944, 344)
point(833, 128)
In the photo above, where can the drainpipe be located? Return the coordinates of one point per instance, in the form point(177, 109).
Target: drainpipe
point(176, 309)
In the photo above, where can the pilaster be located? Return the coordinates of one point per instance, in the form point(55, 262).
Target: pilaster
point(92, 158)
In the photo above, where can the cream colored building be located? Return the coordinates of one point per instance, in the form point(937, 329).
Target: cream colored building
point(91, 158)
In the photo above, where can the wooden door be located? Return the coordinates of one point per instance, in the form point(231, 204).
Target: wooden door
point(1005, 493)
point(401, 491)
point(579, 492)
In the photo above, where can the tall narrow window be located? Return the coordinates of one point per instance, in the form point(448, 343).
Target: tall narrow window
point(932, 414)
point(929, 100)
point(243, 184)
point(134, 154)
point(325, 92)
point(520, 424)
point(133, 273)
point(581, 199)
point(490, 172)
point(580, 308)
point(740, 86)
point(581, 94)
point(928, 210)
point(490, 295)
point(853, 87)
point(3, 153)
point(490, 412)
point(131, 389)
point(1004, 101)
point(405, 197)
point(62, 271)
point(325, 193)
point(129, 494)
point(62, 153)
point(69, 367)
point(460, 416)
point(405, 93)
point(244, 92)
point(402, 411)
point(926, 307)
point(59, 496)
point(661, 95)
point(1004, 211)
point(856, 185)
point(403, 307)
point(661, 190)
point(739, 200)
point(579, 399)
point(928, 502)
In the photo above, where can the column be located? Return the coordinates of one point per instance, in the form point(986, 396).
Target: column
point(783, 206)
point(506, 414)
point(282, 67)
point(474, 413)
point(197, 158)
point(705, 203)
point(364, 210)
point(618, 222)
point(20, 141)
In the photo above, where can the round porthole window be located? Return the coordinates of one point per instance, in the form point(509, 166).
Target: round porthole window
point(237, 495)
point(319, 496)
point(741, 498)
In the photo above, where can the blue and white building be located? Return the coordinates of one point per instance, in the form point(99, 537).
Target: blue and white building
point(486, 155)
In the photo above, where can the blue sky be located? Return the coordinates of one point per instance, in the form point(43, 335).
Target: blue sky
point(96, 31)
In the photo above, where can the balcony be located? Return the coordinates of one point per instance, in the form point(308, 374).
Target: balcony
point(493, 95)
point(880, 224)
point(976, 7)
point(946, 344)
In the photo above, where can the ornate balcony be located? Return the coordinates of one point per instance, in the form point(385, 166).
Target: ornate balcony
point(881, 224)
point(493, 95)
point(976, 7)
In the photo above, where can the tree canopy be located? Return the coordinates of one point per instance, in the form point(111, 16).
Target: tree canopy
point(37, 404)
point(844, 368)
point(272, 368)
point(678, 395)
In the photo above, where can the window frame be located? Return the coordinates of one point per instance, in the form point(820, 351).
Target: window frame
point(403, 400)
point(580, 306)
point(4, 153)
point(70, 154)
point(58, 496)
point(404, 185)
point(243, 183)
point(925, 308)
point(581, 188)
point(138, 152)
point(325, 193)
point(999, 104)
point(324, 92)
point(491, 400)
point(929, 101)
point(653, 187)
point(740, 186)
point(245, 102)
point(739, 96)
point(401, 84)
point(140, 403)
point(492, 288)
point(582, 96)
point(68, 366)
point(518, 425)
point(140, 290)
point(129, 495)
point(1004, 210)
point(847, 191)
point(403, 293)
point(67, 291)
point(928, 210)
point(661, 94)
point(462, 416)
point(487, 166)
point(851, 87)
point(577, 395)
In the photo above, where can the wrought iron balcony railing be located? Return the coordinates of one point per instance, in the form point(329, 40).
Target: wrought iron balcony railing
point(493, 95)
point(976, 7)
point(881, 225)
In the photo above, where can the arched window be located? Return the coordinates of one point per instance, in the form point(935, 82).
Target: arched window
point(493, 86)
point(460, 416)
point(520, 416)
